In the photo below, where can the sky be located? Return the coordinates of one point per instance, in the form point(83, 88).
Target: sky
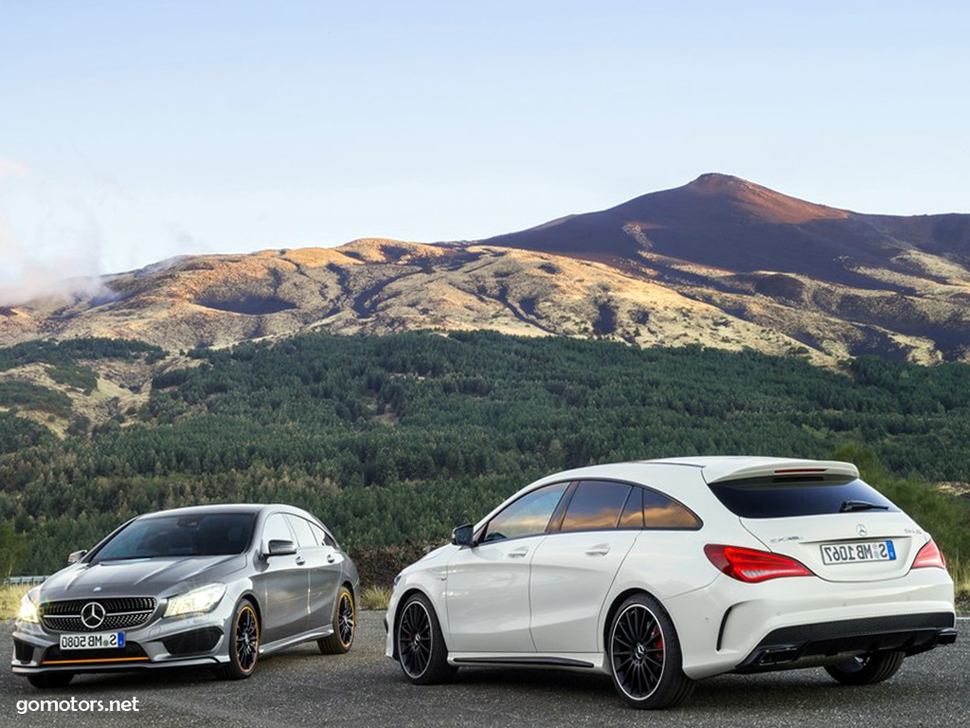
point(134, 131)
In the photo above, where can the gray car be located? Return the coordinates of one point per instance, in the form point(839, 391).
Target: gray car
point(212, 586)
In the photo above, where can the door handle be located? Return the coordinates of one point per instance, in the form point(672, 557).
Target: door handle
point(300, 561)
point(598, 551)
point(331, 558)
point(518, 553)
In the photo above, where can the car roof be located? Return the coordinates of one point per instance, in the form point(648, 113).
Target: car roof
point(226, 508)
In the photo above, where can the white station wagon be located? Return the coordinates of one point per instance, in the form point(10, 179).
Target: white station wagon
point(663, 572)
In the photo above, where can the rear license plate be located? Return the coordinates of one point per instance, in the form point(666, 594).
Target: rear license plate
point(861, 551)
point(100, 641)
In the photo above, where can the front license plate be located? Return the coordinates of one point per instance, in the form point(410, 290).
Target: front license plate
point(99, 641)
point(856, 552)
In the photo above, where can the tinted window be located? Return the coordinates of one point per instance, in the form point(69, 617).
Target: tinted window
point(304, 536)
point(528, 515)
point(275, 529)
point(167, 536)
point(595, 506)
point(632, 516)
point(659, 511)
point(781, 497)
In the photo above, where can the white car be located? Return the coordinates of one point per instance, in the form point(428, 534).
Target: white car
point(663, 572)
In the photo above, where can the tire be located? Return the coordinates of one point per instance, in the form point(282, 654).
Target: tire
point(420, 645)
point(867, 669)
point(344, 625)
point(44, 680)
point(243, 643)
point(644, 656)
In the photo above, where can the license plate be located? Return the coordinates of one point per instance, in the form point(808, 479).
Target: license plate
point(99, 641)
point(856, 552)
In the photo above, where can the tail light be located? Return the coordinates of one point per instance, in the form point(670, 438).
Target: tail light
point(753, 566)
point(929, 556)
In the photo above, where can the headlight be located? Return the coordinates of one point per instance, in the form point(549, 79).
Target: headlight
point(203, 599)
point(29, 609)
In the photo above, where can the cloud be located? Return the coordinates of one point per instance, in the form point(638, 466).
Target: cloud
point(56, 250)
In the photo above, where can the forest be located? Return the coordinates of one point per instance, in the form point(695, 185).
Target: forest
point(395, 439)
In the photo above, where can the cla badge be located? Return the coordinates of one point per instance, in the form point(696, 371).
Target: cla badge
point(862, 530)
point(92, 615)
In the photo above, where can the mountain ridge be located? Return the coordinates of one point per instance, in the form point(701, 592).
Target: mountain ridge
point(719, 262)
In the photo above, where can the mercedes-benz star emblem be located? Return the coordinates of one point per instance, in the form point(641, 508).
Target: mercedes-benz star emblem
point(92, 615)
point(862, 530)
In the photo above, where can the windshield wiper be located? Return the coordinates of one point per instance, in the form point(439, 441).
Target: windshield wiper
point(858, 505)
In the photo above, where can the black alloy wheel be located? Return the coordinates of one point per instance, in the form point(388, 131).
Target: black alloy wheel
point(421, 647)
point(243, 643)
point(644, 654)
point(344, 625)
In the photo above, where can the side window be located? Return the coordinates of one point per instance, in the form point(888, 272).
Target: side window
point(275, 529)
point(596, 506)
point(659, 511)
point(304, 536)
point(323, 538)
point(632, 516)
point(527, 516)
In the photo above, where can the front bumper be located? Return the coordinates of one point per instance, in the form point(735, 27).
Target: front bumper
point(192, 641)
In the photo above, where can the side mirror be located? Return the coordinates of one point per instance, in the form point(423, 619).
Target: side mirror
point(75, 556)
point(463, 535)
point(281, 547)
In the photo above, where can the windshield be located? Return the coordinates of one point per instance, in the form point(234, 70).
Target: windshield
point(783, 497)
point(217, 534)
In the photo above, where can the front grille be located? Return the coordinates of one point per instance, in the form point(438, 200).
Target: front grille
point(120, 613)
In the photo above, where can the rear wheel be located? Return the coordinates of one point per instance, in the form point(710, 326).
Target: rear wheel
point(344, 625)
point(644, 654)
point(51, 679)
point(420, 645)
point(867, 669)
point(243, 643)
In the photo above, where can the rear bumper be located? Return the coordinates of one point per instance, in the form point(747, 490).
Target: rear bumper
point(811, 645)
point(724, 625)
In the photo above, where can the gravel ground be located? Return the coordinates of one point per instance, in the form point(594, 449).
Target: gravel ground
point(363, 688)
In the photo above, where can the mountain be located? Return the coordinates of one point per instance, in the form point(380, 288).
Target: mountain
point(720, 262)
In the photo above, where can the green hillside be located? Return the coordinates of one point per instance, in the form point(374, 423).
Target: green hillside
point(398, 438)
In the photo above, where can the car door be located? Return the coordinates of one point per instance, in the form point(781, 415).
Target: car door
point(325, 567)
point(487, 594)
point(574, 566)
point(285, 582)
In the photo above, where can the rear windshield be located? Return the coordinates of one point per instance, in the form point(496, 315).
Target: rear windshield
point(781, 497)
point(216, 534)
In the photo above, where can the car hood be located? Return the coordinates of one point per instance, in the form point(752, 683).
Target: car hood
point(139, 577)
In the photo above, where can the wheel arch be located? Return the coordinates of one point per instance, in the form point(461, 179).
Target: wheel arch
point(615, 606)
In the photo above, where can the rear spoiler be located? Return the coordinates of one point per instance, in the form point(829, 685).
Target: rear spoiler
point(721, 472)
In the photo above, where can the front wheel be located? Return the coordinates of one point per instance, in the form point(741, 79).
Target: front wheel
point(867, 669)
point(344, 625)
point(644, 654)
point(243, 643)
point(420, 645)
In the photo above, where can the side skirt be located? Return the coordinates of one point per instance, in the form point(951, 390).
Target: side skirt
point(295, 640)
point(586, 662)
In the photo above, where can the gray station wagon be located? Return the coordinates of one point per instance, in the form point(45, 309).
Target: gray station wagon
point(212, 586)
